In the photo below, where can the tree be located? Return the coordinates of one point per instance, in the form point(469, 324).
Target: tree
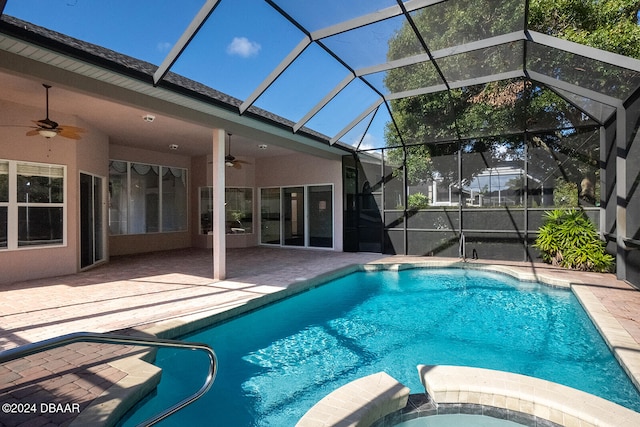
point(470, 114)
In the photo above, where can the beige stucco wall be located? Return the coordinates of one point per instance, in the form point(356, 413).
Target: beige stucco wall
point(279, 171)
point(87, 155)
point(303, 169)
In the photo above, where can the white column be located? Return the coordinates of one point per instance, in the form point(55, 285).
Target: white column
point(219, 243)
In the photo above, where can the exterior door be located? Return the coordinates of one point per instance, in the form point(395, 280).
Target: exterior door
point(91, 220)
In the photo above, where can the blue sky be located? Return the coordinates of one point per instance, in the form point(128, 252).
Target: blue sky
point(234, 52)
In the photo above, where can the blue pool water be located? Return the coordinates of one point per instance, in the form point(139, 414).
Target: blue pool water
point(277, 362)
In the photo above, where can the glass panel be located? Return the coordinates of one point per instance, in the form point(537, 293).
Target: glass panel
point(599, 111)
point(40, 183)
point(492, 246)
point(314, 74)
point(369, 201)
point(455, 22)
point(563, 169)
point(401, 79)
point(206, 210)
point(235, 50)
point(144, 199)
point(494, 219)
point(293, 216)
point(547, 110)
point(318, 14)
point(321, 216)
point(352, 101)
point(433, 170)
point(87, 241)
point(632, 174)
point(370, 45)
point(118, 203)
point(419, 182)
point(238, 210)
point(440, 218)
point(370, 132)
point(270, 216)
point(493, 172)
point(491, 109)
point(98, 219)
point(4, 181)
point(394, 219)
point(393, 242)
point(482, 62)
point(433, 243)
point(423, 118)
point(536, 218)
point(174, 199)
point(39, 226)
point(393, 180)
point(3, 227)
point(572, 68)
point(141, 20)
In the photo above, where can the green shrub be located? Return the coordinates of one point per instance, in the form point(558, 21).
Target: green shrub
point(569, 239)
point(418, 201)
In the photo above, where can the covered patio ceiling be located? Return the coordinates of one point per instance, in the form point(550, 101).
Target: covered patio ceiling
point(338, 68)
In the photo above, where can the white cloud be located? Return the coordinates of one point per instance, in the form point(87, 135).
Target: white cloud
point(163, 46)
point(369, 141)
point(243, 47)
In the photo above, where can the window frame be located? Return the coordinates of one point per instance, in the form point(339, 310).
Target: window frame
point(129, 211)
point(13, 206)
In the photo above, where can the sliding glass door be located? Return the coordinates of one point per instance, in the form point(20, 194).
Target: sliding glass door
point(320, 211)
point(293, 218)
point(91, 220)
point(270, 216)
point(297, 216)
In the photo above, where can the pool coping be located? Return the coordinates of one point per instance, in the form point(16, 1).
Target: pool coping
point(543, 399)
point(623, 346)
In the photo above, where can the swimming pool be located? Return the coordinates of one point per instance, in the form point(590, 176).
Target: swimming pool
point(276, 362)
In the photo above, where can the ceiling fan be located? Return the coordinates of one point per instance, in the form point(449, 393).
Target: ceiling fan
point(48, 128)
point(230, 160)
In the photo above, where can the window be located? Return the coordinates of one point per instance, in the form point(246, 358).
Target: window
point(238, 210)
point(32, 208)
point(146, 198)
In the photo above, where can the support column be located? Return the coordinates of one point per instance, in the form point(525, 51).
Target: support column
point(621, 192)
point(218, 225)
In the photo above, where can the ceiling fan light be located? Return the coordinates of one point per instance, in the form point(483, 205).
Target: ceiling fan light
point(229, 163)
point(47, 133)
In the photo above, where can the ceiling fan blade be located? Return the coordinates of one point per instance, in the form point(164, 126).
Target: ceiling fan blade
point(33, 132)
point(71, 132)
point(71, 128)
point(237, 165)
point(70, 135)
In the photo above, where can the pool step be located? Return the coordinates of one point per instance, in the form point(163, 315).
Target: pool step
point(358, 403)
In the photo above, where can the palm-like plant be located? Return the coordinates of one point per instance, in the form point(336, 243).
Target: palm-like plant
point(569, 239)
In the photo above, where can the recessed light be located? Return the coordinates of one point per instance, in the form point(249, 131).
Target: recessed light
point(173, 146)
point(262, 146)
point(148, 118)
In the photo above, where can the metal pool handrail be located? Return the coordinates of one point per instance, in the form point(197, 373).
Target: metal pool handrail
point(37, 347)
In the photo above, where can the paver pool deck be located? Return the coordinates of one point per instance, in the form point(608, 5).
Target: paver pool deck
point(139, 292)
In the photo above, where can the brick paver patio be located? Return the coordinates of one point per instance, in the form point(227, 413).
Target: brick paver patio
point(140, 291)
